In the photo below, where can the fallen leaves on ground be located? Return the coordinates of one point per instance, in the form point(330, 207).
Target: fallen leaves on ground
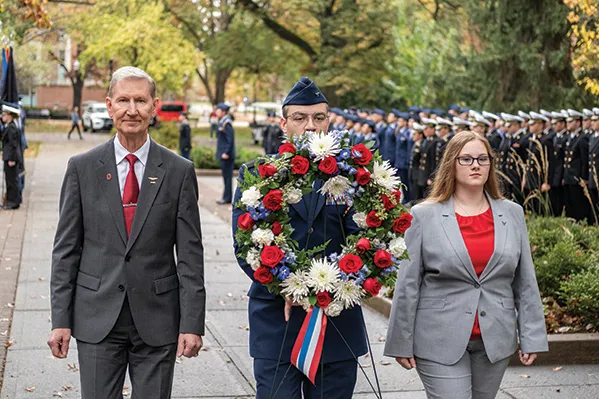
point(557, 368)
point(524, 376)
point(30, 389)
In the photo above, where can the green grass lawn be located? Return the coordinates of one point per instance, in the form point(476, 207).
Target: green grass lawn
point(33, 148)
point(47, 126)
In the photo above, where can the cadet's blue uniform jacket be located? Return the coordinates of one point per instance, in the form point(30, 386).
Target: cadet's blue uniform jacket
point(225, 138)
point(314, 222)
point(403, 148)
point(387, 149)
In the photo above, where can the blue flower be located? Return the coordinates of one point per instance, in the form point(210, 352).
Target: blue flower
point(356, 154)
point(343, 276)
point(344, 154)
point(289, 258)
point(274, 270)
point(283, 273)
point(353, 171)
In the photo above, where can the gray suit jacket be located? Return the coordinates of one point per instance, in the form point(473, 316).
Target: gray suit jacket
point(94, 265)
point(438, 292)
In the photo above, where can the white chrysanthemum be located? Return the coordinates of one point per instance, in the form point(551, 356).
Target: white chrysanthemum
point(262, 236)
point(334, 309)
point(305, 303)
point(292, 195)
point(295, 286)
point(324, 145)
point(323, 275)
point(384, 175)
point(336, 187)
point(251, 197)
point(253, 258)
point(349, 294)
point(360, 219)
point(397, 246)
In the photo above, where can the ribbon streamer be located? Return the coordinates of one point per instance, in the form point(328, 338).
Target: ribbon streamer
point(307, 349)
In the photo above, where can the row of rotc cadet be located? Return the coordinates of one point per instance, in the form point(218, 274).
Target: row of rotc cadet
point(548, 161)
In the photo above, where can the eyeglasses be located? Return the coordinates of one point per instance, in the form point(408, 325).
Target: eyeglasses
point(300, 119)
point(483, 160)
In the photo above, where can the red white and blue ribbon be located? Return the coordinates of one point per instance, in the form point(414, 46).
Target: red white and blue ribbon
point(307, 349)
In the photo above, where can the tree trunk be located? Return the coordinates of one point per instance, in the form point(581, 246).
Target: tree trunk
point(221, 76)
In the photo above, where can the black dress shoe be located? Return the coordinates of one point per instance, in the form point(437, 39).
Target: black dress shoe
point(223, 202)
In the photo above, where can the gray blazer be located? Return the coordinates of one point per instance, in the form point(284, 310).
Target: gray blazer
point(438, 292)
point(94, 264)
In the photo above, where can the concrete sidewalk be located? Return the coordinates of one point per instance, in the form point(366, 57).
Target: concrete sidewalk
point(224, 368)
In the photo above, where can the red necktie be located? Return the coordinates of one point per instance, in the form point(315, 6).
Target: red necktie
point(130, 193)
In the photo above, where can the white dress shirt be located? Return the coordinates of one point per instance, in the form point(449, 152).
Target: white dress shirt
point(122, 165)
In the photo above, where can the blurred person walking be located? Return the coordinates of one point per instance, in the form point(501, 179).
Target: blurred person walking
point(75, 119)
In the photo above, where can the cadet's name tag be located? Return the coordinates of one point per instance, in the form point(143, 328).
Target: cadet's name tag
point(333, 201)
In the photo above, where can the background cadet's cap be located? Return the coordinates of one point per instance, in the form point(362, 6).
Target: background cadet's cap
point(523, 115)
point(367, 111)
point(538, 117)
point(414, 108)
point(472, 113)
point(595, 116)
point(223, 106)
point(352, 117)
point(586, 113)
point(11, 107)
point(481, 120)
point(379, 111)
point(335, 110)
point(395, 112)
point(465, 109)
point(404, 115)
point(490, 115)
point(429, 122)
point(417, 127)
point(353, 109)
point(546, 113)
point(558, 115)
point(344, 114)
point(305, 92)
point(461, 122)
point(573, 114)
point(442, 122)
point(426, 110)
point(370, 123)
point(415, 117)
point(454, 107)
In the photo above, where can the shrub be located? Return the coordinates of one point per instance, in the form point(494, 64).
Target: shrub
point(167, 134)
point(205, 157)
point(560, 261)
point(581, 293)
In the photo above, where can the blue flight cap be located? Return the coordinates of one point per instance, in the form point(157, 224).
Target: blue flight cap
point(368, 111)
point(415, 117)
point(438, 112)
point(223, 106)
point(370, 123)
point(426, 110)
point(465, 109)
point(336, 111)
point(396, 112)
point(454, 107)
point(379, 111)
point(305, 92)
point(352, 117)
point(404, 115)
point(416, 109)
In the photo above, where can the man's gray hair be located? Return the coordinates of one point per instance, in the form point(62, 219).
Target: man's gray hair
point(130, 72)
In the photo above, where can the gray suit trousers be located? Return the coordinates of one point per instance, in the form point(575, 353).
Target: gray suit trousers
point(472, 377)
point(103, 365)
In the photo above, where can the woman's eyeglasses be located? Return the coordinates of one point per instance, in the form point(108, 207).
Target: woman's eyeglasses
point(483, 160)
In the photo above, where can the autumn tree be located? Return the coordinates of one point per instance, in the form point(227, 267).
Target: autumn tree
point(584, 20)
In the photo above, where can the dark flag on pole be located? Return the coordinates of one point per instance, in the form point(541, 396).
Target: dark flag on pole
point(9, 82)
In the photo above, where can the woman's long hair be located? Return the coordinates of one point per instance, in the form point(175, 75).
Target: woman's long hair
point(444, 182)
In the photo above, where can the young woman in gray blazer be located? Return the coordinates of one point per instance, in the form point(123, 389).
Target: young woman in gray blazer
point(468, 295)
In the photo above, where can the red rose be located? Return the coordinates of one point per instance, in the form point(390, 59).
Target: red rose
point(362, 176)
point(287, 147)
point(402, 223)
point(276, 228)
point(245, 221)
point(372, 286)
point(373, 220)
point(366, 155)
point(267, 170)
point(382, 259)
point(350, 263)
point(363, 245)
point(387, 202)
point(323, 299)
point(299, 165)
point(397, 194)
point(271, 255)
point(273, 201)
point(263, 275)
point(328, 165)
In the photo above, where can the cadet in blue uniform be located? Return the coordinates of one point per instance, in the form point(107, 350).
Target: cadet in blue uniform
point(378, 116)
point(556, 193)
point(403, 147)
point(417, 192)
point(225, 150)
point(388, 138)
point(594, 166)
point(540, 163)
point(576, 167)
point(315, 220)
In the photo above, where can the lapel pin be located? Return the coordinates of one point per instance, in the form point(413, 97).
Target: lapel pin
point(108, 176)
point(152, 180)
point(504, 222)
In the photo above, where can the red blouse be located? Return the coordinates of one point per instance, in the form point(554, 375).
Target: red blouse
point(478, 233)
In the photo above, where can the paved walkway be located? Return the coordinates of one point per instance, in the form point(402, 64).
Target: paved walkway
point(223, 369)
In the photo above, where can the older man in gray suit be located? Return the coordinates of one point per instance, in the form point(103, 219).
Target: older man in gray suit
point(126, 208)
